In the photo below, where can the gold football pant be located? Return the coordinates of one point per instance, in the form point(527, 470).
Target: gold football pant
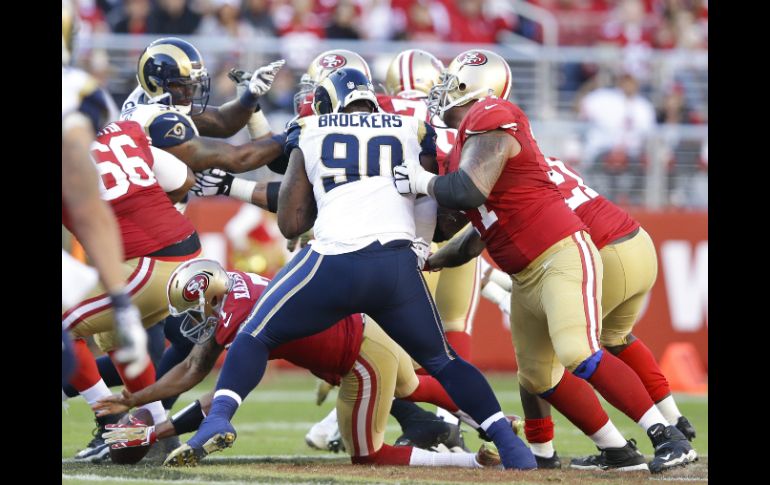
point(556, 311)
point(630, 270)
point(146, 281)
point(382, 370)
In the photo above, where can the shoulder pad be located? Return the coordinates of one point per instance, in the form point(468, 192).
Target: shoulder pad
point(170, 129)
point(490, 114)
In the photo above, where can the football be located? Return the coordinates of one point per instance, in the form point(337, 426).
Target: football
point(131, 455)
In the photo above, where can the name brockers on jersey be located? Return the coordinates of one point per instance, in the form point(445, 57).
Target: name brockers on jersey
point(364, 120)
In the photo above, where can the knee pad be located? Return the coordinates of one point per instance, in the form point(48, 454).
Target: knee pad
point(587, 368)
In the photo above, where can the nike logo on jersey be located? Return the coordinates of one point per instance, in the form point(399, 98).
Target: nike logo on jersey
point(172, 118)
point(490, 106)
point(225, 323)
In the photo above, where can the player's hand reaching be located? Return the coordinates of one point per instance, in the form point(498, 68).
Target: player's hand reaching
point(411, 178)
point(212, 182)
point(263, 77)
point(115, 404)
point(422, 250)
point(132, 338)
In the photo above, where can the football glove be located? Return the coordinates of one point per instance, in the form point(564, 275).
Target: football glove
point(212, 182)
point(422, 250)
point(132, 338)
point(129, 435)
point(411, 178)
point(263, 77)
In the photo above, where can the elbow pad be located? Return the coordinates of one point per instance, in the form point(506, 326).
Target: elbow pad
point(456, 191)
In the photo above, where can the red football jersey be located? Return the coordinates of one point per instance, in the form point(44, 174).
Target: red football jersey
point(445, 137)
point(525, 213)
point(606, 221)
point(148, 220)
point(306, 108)
point(329, 354)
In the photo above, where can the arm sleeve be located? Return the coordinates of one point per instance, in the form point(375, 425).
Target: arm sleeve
point(292, 136)
point(169, 170)
point(456, 191)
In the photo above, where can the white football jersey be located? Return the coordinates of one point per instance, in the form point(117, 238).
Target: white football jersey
point(349, 159)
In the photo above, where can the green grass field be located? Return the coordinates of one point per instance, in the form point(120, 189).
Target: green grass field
point(270, 448)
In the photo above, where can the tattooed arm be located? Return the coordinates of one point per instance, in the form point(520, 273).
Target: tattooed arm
point(297, 209)
point(482, 160)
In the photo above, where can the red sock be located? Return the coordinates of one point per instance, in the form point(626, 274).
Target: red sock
point(638, 357)
point(621, 387)
point(539, 430)
point(139, 382)
point(461, 342)
point(86, 373)
point(430, 390)
point(575, 399)
point(387, 455)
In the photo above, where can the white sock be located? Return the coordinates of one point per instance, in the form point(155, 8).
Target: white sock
point(651, 417)
point(158, 413)
point(608, 436)
point(96, 392)
point(492, 419)
point(429, 458)
point(668, 408)
point(448, 417)
point(544, 450)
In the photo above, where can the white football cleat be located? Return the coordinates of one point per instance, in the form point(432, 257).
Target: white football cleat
point(324, 433)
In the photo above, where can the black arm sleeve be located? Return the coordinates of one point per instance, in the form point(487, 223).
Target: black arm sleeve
point(273, 188)
point(188, 419)
point(456, 191)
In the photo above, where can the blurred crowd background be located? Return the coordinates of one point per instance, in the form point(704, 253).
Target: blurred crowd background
point(616, 88)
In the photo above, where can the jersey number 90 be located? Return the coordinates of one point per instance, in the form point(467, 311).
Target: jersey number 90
point(343, 161)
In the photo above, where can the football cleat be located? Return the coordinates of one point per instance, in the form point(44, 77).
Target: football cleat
point(186, 455)
point(321, 434)
point(624, 459)
point(687, 429)
point(455, 441)
point(554, 462)
point(424, 434)
point(671, 448)
point(97, 450)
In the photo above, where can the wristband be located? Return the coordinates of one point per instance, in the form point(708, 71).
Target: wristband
point(422, 180)
point(249, 100)
point(188, 419)
point(272, 196)
point(242, 189)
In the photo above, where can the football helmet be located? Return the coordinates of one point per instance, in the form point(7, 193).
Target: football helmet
point(413, 73)
point(474, 74)
point(173, 68)
point(69, 26)
point(323, 65)
point(198, 289)
point(341, 88)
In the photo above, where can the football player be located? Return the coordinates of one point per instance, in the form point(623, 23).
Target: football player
point(368, 366)
point(630, 270)
point(364, 231)
point(140, 182)
point(498, 176)
point(85, 107)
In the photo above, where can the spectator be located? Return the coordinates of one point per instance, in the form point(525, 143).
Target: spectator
point(225, 21)
point(131, 18)
point(382, 19)
point(344, 22)
point(257, 13)
point(297, 18)
point(621, 121)
point(420, 24)
point(173, 17)
point(468, 22)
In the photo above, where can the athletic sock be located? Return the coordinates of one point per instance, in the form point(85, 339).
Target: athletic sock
point(639, 358)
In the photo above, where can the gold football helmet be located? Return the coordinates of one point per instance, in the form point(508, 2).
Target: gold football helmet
point(198, 289)
point(323, 65)
point(474, 74)
point(413, 73)
point(69, 26)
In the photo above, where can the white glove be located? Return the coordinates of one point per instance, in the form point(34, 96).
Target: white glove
point(497, 295)
point(411, 178)
point(422, 250)
point(212, 182)
point(263, 77)
point(132, 338)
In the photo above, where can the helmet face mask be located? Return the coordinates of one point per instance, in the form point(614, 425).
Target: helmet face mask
point(198, 290)
point(171, 70)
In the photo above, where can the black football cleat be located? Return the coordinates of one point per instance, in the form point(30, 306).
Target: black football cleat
point(424, 434)
point(671, 448)
point(97, 450)
point(624, 459)
point(553, 463)
point(687, 429)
